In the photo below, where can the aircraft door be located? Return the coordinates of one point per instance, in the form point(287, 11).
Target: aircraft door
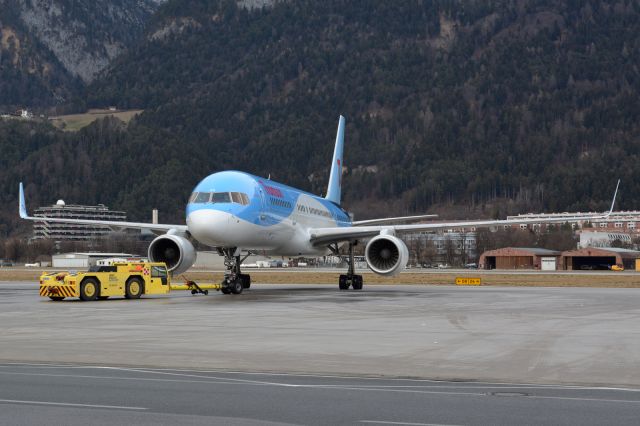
point(262, 216)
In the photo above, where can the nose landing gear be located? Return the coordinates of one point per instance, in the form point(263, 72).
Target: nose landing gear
point(234, 281)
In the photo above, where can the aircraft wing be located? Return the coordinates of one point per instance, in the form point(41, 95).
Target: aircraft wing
point(157, 227)
point(323, 236)
point(393, 219)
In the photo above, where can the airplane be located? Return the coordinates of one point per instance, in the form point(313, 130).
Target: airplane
point(238, 214)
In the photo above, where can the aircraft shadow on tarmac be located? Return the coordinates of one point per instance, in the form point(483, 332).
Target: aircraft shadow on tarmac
point(285, 295)
point(317, 294)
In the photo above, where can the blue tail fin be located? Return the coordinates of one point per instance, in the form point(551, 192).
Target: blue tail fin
point(22, 206)
point(335, 178)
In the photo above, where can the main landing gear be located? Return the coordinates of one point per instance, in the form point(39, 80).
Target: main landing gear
point(350, 279)
point(234, 281)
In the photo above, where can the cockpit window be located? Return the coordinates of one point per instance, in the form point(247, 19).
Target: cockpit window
point(235, 196)
point(240, 198)
point(202, 197)
point(220, 197)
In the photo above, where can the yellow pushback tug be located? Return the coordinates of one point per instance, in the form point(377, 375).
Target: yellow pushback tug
point(128, 279)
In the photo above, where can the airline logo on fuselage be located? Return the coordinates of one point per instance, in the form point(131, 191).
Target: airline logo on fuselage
point(271, 190)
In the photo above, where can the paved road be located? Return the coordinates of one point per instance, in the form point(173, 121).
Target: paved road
point(81, 395)
point(543, 335)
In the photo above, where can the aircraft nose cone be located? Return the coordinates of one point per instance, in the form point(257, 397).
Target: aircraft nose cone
point(210, 227)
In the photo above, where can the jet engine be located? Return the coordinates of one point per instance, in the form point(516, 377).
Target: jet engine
point(176, 251)
point(386, 255)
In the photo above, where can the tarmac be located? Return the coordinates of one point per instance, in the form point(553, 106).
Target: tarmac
point(82, 395)
point(584, 336)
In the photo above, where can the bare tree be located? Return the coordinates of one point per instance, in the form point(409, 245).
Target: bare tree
point(430, 252)
point(464, 237)
point(417, 249)
point(449, 250)
point(14, 249)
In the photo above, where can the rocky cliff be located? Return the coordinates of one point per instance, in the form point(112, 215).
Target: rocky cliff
point(50, 48)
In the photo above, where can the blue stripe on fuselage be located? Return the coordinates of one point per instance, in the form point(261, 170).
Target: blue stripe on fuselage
point(270, 202)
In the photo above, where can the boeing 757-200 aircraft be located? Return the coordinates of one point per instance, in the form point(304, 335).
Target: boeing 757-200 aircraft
point(238, 213)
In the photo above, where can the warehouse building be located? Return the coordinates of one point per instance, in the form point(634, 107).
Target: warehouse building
point(520, 258)
point(594, 258)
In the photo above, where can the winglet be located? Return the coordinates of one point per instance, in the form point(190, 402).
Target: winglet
point(335, 177)
point(22, 206)
point(614, 199)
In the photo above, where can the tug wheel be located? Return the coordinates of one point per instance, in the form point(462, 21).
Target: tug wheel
point(89, 289)
point(133, 288)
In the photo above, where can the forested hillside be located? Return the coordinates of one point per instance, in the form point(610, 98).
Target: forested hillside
point(465, 107)
point(103, 163)
point(50, 49)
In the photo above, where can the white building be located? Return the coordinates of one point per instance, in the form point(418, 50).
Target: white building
point(620, 221)
point(602, 238)
point(72, 231)
point(83, 260)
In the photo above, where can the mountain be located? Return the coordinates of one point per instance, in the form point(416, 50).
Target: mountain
point(449, 101)
point(50, 49)
point(468, 108)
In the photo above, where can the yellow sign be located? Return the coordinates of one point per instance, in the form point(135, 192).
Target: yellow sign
point(467, 281)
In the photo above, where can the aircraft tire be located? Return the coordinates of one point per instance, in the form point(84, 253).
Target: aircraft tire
point(343, 283)
point(357, 282)
point(246, 280)
point(236, 286)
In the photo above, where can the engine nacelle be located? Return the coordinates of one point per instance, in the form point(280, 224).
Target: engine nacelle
point(386, 255)
point(176, 251)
